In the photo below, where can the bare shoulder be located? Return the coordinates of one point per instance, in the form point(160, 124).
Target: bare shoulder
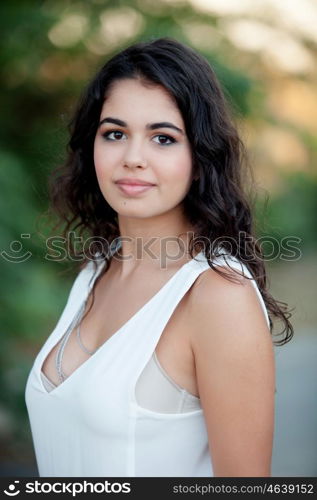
point(234, 359)
point(227, 301)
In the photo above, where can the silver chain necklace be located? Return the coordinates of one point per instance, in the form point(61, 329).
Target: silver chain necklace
point(81, 345)
point(60, 352)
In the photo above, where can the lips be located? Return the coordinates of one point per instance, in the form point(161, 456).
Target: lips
point(134, 182)
point(134, 189)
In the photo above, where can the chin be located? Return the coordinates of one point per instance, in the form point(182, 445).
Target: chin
point(137, 214)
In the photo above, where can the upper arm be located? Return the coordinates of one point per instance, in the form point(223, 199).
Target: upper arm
point(235, 371)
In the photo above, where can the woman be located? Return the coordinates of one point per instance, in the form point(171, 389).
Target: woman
point(162, 362)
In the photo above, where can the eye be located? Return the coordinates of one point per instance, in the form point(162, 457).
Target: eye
point(113, 135)
point(165, 140)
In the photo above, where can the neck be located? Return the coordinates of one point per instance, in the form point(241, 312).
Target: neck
point(154, 242)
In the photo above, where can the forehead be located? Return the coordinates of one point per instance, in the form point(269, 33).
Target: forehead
point(133, 95)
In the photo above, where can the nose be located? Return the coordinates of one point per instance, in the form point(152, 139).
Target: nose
point(134, 155)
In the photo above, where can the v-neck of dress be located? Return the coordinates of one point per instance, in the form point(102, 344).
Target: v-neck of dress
point(111, 338)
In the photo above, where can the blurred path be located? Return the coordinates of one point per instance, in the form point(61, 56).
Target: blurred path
point(295, 443)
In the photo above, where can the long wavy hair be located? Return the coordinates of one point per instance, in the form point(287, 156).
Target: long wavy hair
point(216, 205)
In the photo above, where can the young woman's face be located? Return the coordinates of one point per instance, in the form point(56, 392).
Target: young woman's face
point(141, 137)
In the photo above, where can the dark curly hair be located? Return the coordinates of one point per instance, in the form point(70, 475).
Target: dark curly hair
point(216, 205)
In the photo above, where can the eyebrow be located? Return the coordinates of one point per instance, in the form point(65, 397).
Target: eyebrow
point(149, 126)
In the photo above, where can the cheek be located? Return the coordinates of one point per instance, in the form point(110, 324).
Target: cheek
point(97, 159)
point(180, 170)
point(101, 161)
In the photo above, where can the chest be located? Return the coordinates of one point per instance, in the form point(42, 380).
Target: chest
point(112, 308)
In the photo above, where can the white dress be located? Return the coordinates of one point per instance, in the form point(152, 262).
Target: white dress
point(93, 424)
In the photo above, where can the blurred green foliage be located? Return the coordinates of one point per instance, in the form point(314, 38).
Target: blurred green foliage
point(40, 83)
point(293, 212)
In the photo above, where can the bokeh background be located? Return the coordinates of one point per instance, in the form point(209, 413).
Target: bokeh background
point(264, 53)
